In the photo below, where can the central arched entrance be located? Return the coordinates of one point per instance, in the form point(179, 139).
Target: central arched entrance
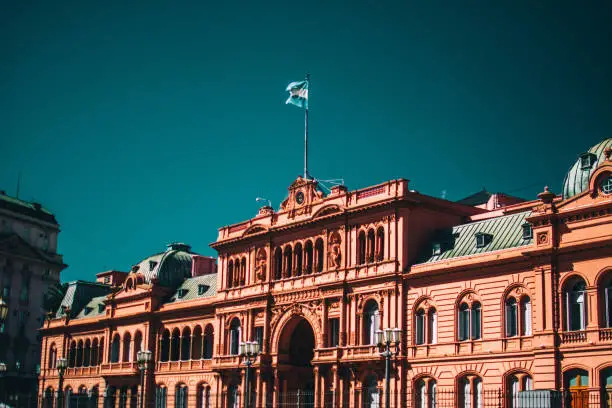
point(295, 353)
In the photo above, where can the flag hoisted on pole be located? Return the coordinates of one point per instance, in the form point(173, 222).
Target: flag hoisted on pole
point(298, 96)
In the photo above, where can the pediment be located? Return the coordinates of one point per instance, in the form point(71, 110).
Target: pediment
point(255, 229)
point(328, 210)
point(15, 245)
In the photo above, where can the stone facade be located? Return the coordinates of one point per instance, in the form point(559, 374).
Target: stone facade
point(501, 298)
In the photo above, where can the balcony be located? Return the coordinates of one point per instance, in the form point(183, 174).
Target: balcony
point(226, 361)
point(572, 337)
point(173, 366)
point(365, 352)
point(605, 334)
point(82, 371)
point(327, 355)
point(116, 369)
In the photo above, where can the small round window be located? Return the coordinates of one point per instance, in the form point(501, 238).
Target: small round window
point(606, 184)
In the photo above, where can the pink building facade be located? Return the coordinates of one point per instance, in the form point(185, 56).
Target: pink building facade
point(493, 296)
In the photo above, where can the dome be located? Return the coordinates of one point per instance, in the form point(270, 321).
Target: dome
point(577, 178)
point(169, 268)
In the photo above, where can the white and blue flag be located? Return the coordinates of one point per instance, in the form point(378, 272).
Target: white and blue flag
point(298, 94)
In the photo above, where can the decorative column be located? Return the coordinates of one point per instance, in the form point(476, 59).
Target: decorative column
point(317, 387)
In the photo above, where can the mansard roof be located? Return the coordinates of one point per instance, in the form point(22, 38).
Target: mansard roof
point(78, 295)
point(190, 288)
point(578, 176)
point(169, 268)
point(505, 232)
point(92, 308)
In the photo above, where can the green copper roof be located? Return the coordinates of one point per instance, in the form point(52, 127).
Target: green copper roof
point(505, 232)
point(92, 308)
point(577, 178)
point(79, 294)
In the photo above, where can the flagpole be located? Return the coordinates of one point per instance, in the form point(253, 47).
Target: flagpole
point(306, 131)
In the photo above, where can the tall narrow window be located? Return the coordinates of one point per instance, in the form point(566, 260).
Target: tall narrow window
point(575, 301)
point(511, 317)
point(334, 332)
point(526, 314)
point(361, 250)
point(259, 331)
point(308, 251)
point(476, 321)
point(371, 322)
point(298, 259)
point(196, 343)
point(608, 304)
point(181, 396)
point(230, 274)
point(420, 327)
point(114, 354)
point(243, 271)
point(165, 346)
point(175, 345)
point(371, 246)
point(319, 255)
point(234, 336)
point(288, 261)
point(278, 264)
point(432, 326)
point(380, 244)
point(209, 339)
point(127, 342)
point(464, 322)
point(186, 344)
point(371, 396)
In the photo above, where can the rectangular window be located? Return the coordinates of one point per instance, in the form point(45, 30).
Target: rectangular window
point(259, 336)
point(608, 296)
point(511, 320)
point(475, 323)
point(527, 231)
point(464, 324)
point(334, 332)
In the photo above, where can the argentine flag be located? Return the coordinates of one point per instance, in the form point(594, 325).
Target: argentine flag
point(298, 94)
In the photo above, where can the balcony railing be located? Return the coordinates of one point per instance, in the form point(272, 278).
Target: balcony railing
point(123, 368)
point(577, 336)
point(165, 366)
point(605, 334)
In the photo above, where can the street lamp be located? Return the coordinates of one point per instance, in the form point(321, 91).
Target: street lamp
point(61, 365)
point(248, 351)
point(2, 371)
point(3, 310)
point(385, 340)
point(143, 358)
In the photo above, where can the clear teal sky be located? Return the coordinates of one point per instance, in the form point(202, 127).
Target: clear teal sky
point(144, 122)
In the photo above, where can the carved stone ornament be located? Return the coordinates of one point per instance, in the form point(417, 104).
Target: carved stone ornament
point(334, 251)
point(543, 238)
point(261, 264)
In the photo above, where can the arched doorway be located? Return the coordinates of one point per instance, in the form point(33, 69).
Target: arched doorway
point(295, 371)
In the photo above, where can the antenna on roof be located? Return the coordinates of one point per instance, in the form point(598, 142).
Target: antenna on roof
point(18, 183)
point(328, 184)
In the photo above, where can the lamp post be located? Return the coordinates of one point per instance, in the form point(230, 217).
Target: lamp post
point(61, 365)
point(143, 358)
point(386, 340)
point(2, 371)
point(249, 352)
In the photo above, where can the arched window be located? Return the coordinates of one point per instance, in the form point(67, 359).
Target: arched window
point(232, 396)
point(230, 273)
point(575, 305)
point(87, 354)
point(164, 353)
point(180, 396)
point(319, 255)
point(127, 342)
point(48, 398)
point(432, 326)
point(516, 383)
point(606, 300)
point(298, 259)
point(371, 245)
point(526, 316)
point(137, 345)
point(470, 392)
point(419, 320)
point(161, 396)
point(203, 396)
point(94, 352)
point(101, 351)
point(469, 321)
point(114, 351)
point(175, 345)
point(278, 264)
point(234, 336)
point(79, 354)
point(243, 270)
point(308, 251)
point(371, 395)
point(209, 339)
point(380, 244)
point(576, 381)
point(288, 258)
point(371, 322)
point(361, 248)
point(511, 317)
point(186, 344)
point(52, 356)
point(196, 344)
point(425, 393)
